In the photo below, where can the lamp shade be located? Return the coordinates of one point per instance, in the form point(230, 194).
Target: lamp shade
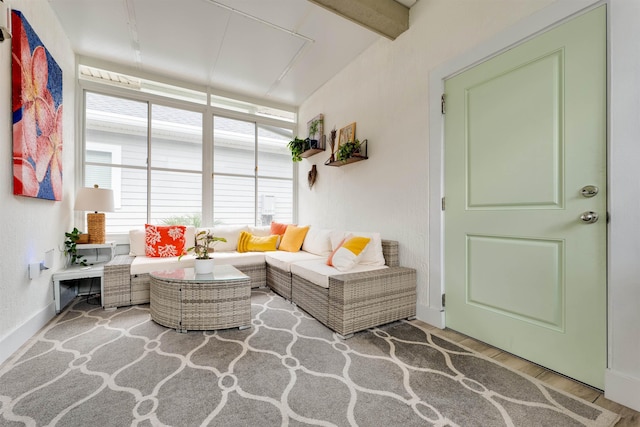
point(94, 199)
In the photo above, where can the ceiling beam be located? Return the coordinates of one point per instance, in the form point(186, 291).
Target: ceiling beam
point(386, 17)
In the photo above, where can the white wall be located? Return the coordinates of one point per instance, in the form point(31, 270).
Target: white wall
point(386, 91)
point(29, 226)
point(622, 382)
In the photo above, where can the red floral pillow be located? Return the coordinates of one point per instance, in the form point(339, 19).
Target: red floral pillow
point(164, 240)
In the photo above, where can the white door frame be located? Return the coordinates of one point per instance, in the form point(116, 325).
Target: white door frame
point(529, 27)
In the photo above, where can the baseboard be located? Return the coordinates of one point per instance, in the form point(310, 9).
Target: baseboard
point(430, 315)
point(622, 389)
point(16, 339)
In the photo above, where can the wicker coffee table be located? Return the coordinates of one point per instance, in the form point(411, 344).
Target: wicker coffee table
point(182, 300)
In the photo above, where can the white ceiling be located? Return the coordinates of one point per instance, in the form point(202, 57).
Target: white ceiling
point(280, 50)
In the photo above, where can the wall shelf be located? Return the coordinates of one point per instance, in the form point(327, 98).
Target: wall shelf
point(352, 159)
point(338, 163)
point(312, 151)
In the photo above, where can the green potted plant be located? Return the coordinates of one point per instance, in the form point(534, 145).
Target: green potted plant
point(313, 130)
point(70, 247)
point(298, 146)
point(205, 242)
point(348, 150)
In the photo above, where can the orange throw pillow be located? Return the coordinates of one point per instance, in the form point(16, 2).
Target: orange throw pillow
point(164, 240)
point(278, 228)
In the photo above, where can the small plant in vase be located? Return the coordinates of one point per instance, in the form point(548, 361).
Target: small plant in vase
point(70, 247)
point(348, 150)
point(313, 131)
point(298, 146)
point(205, 242)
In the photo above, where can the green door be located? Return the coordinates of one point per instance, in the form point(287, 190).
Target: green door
point(525, 150)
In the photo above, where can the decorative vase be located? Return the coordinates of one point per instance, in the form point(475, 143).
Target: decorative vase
point(204, 266)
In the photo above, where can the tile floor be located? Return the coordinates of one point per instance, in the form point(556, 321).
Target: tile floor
point(628, 417)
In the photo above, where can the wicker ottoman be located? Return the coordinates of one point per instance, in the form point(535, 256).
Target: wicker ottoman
point(182, 300)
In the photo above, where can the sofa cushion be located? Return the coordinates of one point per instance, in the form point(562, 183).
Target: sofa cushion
point(349, 253)
point(229, 232)
point(318, 272)
point(293, 238)
point(283, 260)
point(144, 264)
point(260, 230)
point(372, 255)
point(164, 241)
point(137, 238)
point(237, 258)
point(247, 242)
point(278, 228)
point(317, 241)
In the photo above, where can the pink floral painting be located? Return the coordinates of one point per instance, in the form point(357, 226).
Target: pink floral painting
point(37, 115)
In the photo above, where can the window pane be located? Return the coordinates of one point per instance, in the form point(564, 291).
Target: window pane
point(274, 158)
point(233, 146)
point(233, 200)
point(129, 192)
point(176, 197)
point(117, 124)
point(275, 201)
point(176, 138)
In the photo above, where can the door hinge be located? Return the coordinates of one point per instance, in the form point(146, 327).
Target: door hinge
point(443, 203)
point(443, 300)
point(442, 104)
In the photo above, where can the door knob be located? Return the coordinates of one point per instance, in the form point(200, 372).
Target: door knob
point(589, 217)
point(589, 191)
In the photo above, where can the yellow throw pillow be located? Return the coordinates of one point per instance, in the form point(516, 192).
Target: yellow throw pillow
point(293, 238)
point(247, 242)
point(346, 256)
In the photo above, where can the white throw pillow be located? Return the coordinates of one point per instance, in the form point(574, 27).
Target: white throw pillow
point(260, 231)
point(229, 232)
point(350, 253)
point(136, 242)
point(372, 255)
point(317, 241)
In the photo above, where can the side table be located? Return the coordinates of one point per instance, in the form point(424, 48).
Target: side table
point(63, 292)
point(98, 255)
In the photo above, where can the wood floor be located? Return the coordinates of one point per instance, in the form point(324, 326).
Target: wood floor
point(628, 417)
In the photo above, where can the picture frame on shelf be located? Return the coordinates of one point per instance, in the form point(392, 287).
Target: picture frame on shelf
point(315, 130)
point(347, 133)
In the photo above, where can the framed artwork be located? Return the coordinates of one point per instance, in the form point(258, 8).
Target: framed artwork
point(36, 82)
point(315, 127)
point(347, 134)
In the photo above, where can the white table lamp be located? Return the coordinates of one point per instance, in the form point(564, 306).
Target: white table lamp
point(95, 199)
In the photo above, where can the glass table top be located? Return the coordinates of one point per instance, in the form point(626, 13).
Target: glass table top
point(220, 273)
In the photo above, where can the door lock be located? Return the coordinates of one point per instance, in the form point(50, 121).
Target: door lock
point(589, 217)
point(589, 191)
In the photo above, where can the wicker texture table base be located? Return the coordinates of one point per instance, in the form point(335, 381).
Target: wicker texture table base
point(192, 305)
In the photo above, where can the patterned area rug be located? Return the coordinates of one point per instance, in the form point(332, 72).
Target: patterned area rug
point(119, 368)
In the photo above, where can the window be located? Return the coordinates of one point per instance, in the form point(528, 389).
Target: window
point(157, 159)
point(253, 172)
point(166, 189)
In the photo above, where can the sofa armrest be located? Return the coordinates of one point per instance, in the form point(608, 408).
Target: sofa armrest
point(117, 282)
point(362, 300)
point(390, 253)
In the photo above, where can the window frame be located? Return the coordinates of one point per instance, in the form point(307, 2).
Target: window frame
point(208, 113)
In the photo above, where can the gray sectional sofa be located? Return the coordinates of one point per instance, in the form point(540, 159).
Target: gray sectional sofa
point(374, 293)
